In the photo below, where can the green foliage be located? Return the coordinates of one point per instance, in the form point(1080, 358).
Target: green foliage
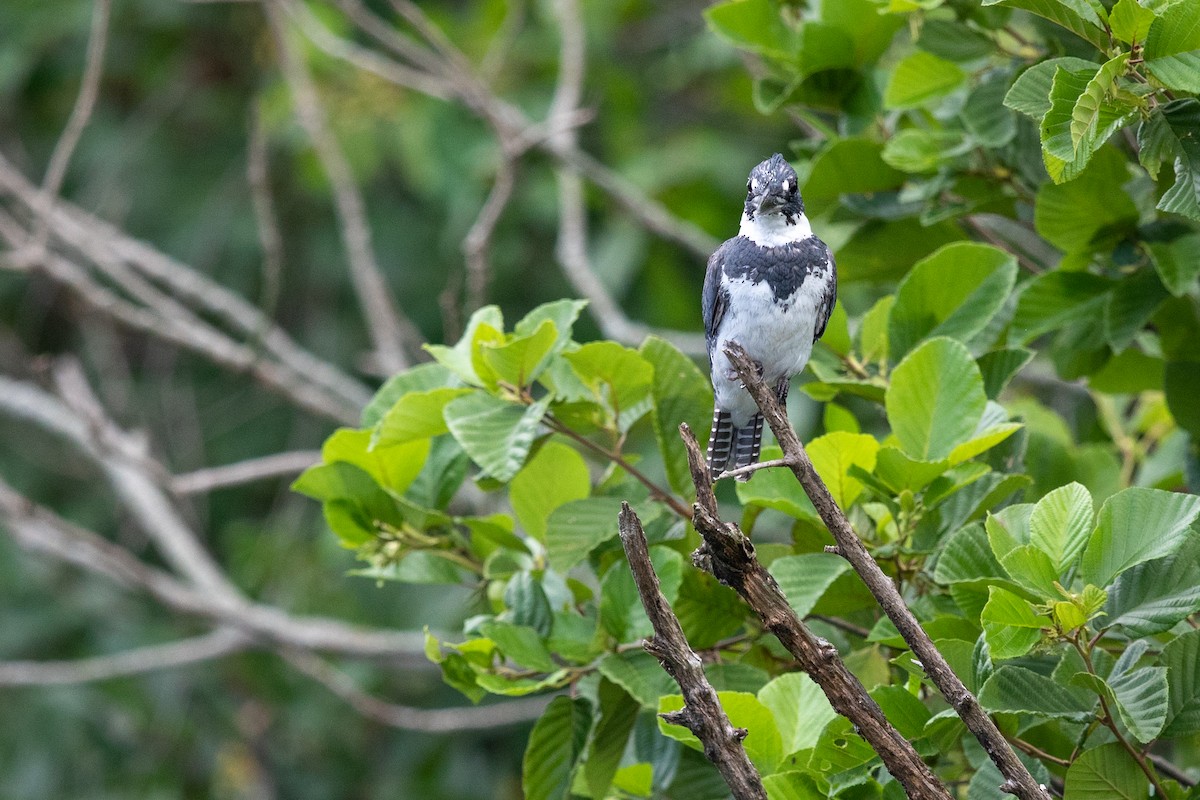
point(1008, 424)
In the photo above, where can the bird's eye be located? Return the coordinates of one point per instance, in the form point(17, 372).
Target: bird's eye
point(787, 187)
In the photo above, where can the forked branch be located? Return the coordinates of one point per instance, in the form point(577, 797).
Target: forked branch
point(1017, 779)
point(702, 712)
point(728, 554)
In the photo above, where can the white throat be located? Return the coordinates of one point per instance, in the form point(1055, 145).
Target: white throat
point(773, 230)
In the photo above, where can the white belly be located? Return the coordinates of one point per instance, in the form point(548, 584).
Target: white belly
point(777, 334)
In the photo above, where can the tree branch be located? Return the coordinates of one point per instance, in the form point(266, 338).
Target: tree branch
point(423, 720)
point(221, 642)
point(728, 554)
point(276, 465)
point(1018, 780)
point(390, 332)
point(702, 712)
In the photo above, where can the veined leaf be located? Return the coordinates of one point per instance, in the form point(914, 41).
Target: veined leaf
point(681, 394)
point(1134, 526)
point(1086, 116)
point(1013, 688)
point(556, 475)
point(1080, 17)
point(495, 433)
point(1173, 48)
point(1061, 524)
point(804, 578)
point(744, 710)
point(1130, 21)
point(1106, 772)
point(919, 79)
point(800, 708)
point(555, 744)
point(1030, 93)
point(1010, 624)
point(1055, 299)
point(1182, 660)
point(832, 456)
point(935, 399)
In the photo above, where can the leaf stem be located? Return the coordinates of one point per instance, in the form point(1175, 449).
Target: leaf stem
point(656, 491)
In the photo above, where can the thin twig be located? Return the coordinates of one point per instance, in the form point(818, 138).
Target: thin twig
point(81, 112)
point(38, 529)
point(1018, 780)
point(702, 712)
point(219, 643)
point(656, 491)
point(729, 556)
point(270, 240)
point(423, 720)
point(276, 465)
point(390, 333)
point(750, 469)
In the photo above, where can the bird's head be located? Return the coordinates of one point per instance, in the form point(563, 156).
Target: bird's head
point(772, 188)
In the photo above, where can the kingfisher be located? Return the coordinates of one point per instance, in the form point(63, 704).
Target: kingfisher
point(771, 288)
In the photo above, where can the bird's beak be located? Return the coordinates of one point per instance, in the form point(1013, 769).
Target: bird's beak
point(759, 201)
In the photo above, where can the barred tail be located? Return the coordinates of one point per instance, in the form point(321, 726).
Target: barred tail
point(720, 443)
point(749, 444)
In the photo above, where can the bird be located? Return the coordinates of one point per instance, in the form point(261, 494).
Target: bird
point(772, 289)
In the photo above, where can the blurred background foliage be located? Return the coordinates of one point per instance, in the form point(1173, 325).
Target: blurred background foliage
point(914, 124)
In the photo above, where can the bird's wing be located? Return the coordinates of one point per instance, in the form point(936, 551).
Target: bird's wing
point(714, 300)
point(828, 299)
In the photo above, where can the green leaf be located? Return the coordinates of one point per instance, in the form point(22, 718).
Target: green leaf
point(899, 472)
point(1182, 134)
point(1156, 595)
point(518, 360)
point(520, 644)
point(832, 456)
point(1177, 262)
point(681, 394)
point(638, 673)
point(1130, 21)
point(527, 603)
point(1065, 156)
point(967, 557)
point(1106, 772)
point(1172, 50)
point(1181, 657)
point(1017, 689)
point(1141, 699)
point(1078, 16)
point(1033, 570)
point(804, 578)
point(393, 467)
point(459, 358)
point(1030, 93)
point(984, 115)
point(707, 610)
point(953, 292)
point(919, 79)
point(1061, 524)
point(574, 528)
point(744, 710)
point(1181, 384)
point(792, 786)
point(418, 379)
point(556, 475)
point(621, 611)
point(873, 332)
point(800, 709)
point(1137, 525)
point(776, 489)
point(1087, 116)
point(618, 377)
point(1054, 300)
point(555, 745)
point(562, 313)
point(416, 415)
point(495, 433)
point(618, 712)
point(1010, 624)
point(1132, 303)
point(982, 441)
point(953, 41)
point(849, 166)
point(918, 150)
point(755, 25)
point(935, 399)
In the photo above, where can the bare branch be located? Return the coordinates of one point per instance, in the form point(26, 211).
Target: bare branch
point(269, 237)
point(1018, 781)
point(423, 720)
point(479, 238)
point(390, 332)
point(728, 554)
point(276, 465)
point(107, 245)
point(39, 530)
point(81, 112)
point(219, 643)
point(702, 712)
